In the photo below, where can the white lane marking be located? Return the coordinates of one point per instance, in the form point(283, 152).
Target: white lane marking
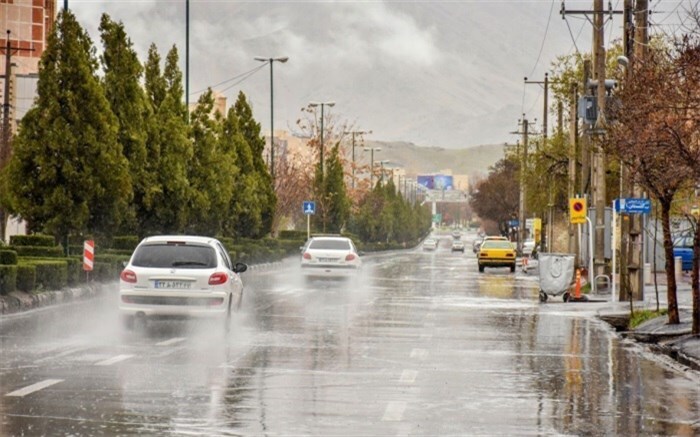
point(34, 387)
point(62, 354)
point(408, 376)
point(419, 353)
point(394, 411)
point(171, 341)
point(113, 360)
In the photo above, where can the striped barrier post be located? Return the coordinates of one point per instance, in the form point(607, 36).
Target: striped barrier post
point(88, 257)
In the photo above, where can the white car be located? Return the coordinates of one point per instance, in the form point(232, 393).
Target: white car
point(180, 277)
point(528, 247)
point(330, 256)
point(430, 244)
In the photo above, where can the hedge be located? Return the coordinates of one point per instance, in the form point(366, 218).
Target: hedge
point(51, 275)
point(8, 279)
point(8, 257)
point(292, 235)
point(26, 277)
point(32, 240)
point(39, 251)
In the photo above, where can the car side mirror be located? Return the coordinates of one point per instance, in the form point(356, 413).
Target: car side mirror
point(240, 267)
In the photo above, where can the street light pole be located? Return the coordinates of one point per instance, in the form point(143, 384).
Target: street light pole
point(282, 59)
point(322, 105)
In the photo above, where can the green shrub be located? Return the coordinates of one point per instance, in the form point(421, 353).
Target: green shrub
point(125, 242)
point(227, 242)
point(51, 275)
point(32, 240)
point(105, 271)
point(8, 279)
point(120, 252)
point(75, 270)
point(292, 235)
point(639, 317)
point(26, 277)
point(8, 257)
point(39, 251)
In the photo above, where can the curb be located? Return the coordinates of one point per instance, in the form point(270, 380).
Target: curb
point(18, 301)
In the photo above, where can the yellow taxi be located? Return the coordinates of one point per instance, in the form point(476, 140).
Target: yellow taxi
point(496, 253)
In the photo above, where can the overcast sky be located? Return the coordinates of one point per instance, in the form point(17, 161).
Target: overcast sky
point(435, 73)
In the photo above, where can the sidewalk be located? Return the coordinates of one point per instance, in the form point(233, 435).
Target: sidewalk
point(675, 341)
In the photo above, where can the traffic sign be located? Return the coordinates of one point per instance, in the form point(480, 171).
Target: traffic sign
point(437, 218)
point(309, 207)
point(633, 205)
point(577, 210)
point(88, 255)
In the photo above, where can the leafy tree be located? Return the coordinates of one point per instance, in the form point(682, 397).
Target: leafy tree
point(169, 148)
point(250, 130)
point(68, 174)
point(211, 172)
point(122, 72)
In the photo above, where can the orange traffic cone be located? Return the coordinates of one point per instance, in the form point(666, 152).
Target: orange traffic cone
point(577, 289)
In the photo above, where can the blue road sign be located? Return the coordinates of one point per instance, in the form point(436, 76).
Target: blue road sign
point(632, 205)
point(309, 207)
point(513, 223)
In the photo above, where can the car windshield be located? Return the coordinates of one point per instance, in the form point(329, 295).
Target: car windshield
point(164, 255)
point(330, 244)
point(496, 245)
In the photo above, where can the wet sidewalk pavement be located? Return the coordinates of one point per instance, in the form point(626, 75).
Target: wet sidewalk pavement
point(673, 340)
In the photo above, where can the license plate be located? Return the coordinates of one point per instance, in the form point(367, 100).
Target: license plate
point(328, 260)
point(179, 285)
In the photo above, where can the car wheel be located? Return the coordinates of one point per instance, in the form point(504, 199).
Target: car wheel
point(481, 268)
point(543, 296)
point(566, 296)
point(512, 268)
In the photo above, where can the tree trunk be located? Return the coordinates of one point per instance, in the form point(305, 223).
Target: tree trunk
point(673, 317)
point(696, 281)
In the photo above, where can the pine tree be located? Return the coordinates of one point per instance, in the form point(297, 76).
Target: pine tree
point(211, 172)
point(336, 204)
point(169, 148)
point(68, 174)
point(250, 129)
point(245, 215)
point(127, 99)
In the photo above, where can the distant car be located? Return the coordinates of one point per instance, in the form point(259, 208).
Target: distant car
point(496, 253)
point(180, 277)
point(430, 244)
point(456, 234)
point(683, 247)
point(330, 256)
point(457, 246)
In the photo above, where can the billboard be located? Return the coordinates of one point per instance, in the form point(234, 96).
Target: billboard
point(436, 182)
point(426, 181)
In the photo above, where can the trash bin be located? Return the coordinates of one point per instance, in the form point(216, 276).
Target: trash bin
point(556, 271)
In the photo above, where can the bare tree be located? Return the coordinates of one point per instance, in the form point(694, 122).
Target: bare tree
point(650, 127)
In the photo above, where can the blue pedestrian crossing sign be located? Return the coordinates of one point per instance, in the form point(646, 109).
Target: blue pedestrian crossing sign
point(309, 207)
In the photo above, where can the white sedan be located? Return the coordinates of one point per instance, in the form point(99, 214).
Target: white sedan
point(180, 277)
point(330, 256)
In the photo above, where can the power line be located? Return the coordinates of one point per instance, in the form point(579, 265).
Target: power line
point(544, 39)
point(244, 75)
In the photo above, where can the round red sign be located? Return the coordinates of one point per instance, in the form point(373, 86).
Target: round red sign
point(578, 206)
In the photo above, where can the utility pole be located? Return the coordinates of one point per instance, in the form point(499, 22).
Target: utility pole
point(636, 238)
point(523, 182)
point(353, 133)
point(573, 147)
point(598, 167)
point(7, 115)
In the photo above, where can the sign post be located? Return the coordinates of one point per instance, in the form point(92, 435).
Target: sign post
point(629, 205)
point(309, 208)
point(88, 257)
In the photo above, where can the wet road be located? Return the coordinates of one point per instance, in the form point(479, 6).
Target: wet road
point(422, 344)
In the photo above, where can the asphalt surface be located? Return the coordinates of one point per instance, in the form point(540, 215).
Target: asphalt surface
point(419, 344)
